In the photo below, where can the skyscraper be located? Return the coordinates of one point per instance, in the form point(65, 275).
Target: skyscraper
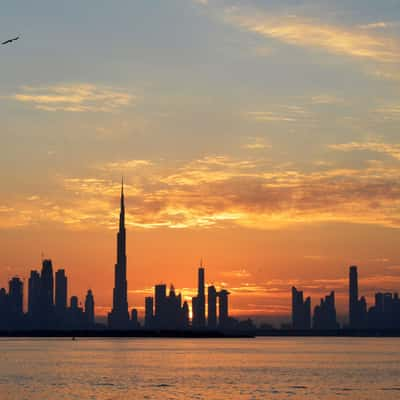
point(47, 286)
point(199, 302)
point(148, 314)
point(15, 295)
point(89, 308)
point(46, 315)
point(223, 308)
point(301, 310)
point(212, 308)
point(34, 284)
point(353, 297)
point(118, 318)
point(61, 292)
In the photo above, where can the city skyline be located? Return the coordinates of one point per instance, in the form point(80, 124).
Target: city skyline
point(47, 300)
point(262, 137)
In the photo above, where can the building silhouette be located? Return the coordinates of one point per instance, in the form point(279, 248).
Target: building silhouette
point(301, 310)
point(118, 318)
point(89, 309)
point(357, 307)
point(61, 293)
point(170, 313)
point(224, 320)
point(199, 302)
point(148, 312)
point(212, 307)
point(325, 314)
point(34, 288)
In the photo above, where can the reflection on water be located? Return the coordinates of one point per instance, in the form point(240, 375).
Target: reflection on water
point(262, 368)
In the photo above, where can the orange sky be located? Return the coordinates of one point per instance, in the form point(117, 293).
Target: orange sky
point(262, 136)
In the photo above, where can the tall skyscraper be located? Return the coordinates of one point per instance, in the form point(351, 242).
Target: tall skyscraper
point(46, 295)
point(199, 302)
point(118, 318)
point(61, 292)
point(353, 297)
point(212, 308)
point(34, 285)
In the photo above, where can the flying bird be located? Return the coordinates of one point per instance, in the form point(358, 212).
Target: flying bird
point(10, 40)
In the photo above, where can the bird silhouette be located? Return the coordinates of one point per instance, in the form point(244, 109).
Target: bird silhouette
point(10, 40)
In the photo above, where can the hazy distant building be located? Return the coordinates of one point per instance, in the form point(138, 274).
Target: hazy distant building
point(118, 318)
point(89, 309)
point(301, 310)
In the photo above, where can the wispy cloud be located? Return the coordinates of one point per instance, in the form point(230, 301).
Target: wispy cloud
point(298, 31)
point(392, 150)
point(75, 98)
point(280, 113)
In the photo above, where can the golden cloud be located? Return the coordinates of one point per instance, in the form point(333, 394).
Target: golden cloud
point(356, 42)
point(75, 98)
point(219, 192)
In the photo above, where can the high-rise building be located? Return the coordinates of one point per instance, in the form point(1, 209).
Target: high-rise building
point(61, 292)
point(15, 296)
point(89, 308)
point(223, 308)
point(148, 313)
point(212, 308)
point(301, 310)
point(325, 314)
point(34, 285)
point(353, 297)
point(47, 287)
point(199, 302)
point(118, 318)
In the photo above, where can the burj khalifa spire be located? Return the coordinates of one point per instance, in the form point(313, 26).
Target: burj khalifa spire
point(118, 318)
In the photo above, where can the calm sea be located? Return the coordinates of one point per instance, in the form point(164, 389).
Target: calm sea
point(262, 368)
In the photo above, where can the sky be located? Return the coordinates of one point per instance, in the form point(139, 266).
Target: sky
point(261, 136)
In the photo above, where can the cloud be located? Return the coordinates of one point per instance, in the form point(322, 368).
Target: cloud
point(281, 113)
point(390, 112)
point(217, 191)
point(298, 31)
point(379, 25)
point(326, 99)
point(75, 98)
point(257, 143)
point(392, 150)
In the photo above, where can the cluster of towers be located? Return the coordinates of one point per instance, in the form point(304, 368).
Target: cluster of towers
point(168, 312)
point(47, 303)
point(385, 314)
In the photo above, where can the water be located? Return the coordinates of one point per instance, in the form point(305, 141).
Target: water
point(262, 368)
